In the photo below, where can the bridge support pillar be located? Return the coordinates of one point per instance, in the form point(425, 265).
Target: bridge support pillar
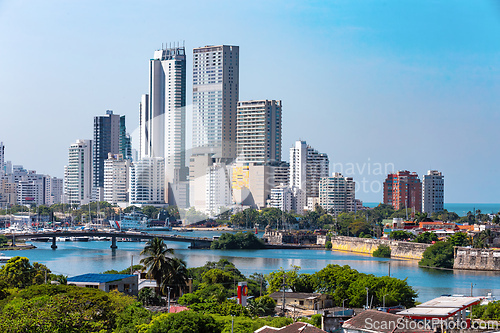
point(13, 240)
point(113, 243)
point(53, 246)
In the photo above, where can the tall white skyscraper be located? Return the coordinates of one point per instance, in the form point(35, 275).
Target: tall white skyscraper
point(258, 131)
point(432, 192)
point(78, 173)
point(215, 98)
point(163, 119)
point(307, 167)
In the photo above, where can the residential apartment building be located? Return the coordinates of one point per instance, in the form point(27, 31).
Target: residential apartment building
point(432, 192)
point(78, 173)
point(403, 189)
point(218, 189)
point(147, 182)
point(337, 194)
point(307, 167)
point(107, 135)
point(258, 131)
point(288, 199)
point(116, 179)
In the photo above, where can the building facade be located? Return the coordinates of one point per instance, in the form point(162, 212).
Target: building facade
point(337, 194)
point(107, 139)
point(2, 159)
point(307, 167)
point(403, 189)
point(116, 179)
point(163, 119)
point(78, 173)
point(218, 189)
point(432, 192)
point(258, 131)
point(147, 182)
point(215, 98)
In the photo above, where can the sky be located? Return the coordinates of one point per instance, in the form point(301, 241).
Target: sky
point(377, 85)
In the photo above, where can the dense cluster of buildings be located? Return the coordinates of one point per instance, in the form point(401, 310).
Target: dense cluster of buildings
point(403, 189)
point(236, 159)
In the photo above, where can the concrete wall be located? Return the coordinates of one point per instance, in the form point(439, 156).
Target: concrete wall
point(405, 250)
point(477, 259)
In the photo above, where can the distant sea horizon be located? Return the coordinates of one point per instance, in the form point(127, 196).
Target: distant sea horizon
point(460, 208)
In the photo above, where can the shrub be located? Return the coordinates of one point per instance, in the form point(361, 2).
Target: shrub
point(382, 251)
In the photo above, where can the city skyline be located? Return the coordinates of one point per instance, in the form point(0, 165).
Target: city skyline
point(419, 93)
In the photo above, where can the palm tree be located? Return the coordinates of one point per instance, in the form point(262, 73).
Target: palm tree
point(158, 260)
point(176, 277)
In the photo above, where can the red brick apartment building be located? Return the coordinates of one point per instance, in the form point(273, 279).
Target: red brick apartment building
point(403, 189)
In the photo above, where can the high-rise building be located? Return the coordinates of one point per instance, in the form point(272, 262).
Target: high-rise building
point(107, 134)
point(116, 179)
point(403, 189)
point(337, 194)
point(163, 119)
point(2, 159)
point(307, 167)
point(215, 97)
point(218, 187)
point(78, 173)
point(288, 199)
point(432, 192)
point(281, 172)
point(147, 182)
point(125, 140)
point(258, 131)
point(54, 190)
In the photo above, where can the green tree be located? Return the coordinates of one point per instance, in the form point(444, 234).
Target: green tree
point(19, 273)
point(239, 240)
point(147, 296)
point(131, 317)
point(382, 251)
point(459, 239)
point(157, 261)
point(439, 255)
point(176, 277)
point(426, 238)
point(49, 308)
point(182, 322)
point(401, 235)
point(262, 306)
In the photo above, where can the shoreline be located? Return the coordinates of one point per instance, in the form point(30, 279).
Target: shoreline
point(18, 247)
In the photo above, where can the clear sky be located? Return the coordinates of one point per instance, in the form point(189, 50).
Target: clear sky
point(405, 84)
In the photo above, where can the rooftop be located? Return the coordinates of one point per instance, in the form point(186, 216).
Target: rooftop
point(98, 278)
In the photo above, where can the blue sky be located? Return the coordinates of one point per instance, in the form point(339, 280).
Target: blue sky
point(413, 84)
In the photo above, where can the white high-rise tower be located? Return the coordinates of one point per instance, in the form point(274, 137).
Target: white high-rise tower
point(215, 98)
point(432, 192)
point(78, 173)
point(163, 119)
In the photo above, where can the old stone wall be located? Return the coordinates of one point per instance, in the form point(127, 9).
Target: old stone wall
point(477, 259)
point(399, 249)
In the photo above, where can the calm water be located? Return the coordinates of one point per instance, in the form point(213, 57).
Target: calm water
point(460, 208)
point(73, 258)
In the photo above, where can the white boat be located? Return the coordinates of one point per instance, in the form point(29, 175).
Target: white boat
point(137, 221)
point(4, 258)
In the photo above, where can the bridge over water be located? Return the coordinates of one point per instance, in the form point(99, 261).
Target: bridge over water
point(196, 242)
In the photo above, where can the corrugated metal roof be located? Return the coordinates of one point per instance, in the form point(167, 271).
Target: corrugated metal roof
point(98, 278)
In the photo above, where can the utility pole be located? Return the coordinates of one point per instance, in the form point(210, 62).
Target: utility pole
point(366, 298)
point(131, 265)
point(284, 285)
point(168, 292)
